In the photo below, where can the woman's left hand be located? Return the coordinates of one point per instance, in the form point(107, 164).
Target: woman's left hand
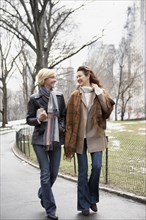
point(97, 89)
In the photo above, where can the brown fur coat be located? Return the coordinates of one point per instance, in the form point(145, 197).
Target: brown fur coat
point(96, 124)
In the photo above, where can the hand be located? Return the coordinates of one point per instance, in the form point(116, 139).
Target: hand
point(97, 89)
point(42, 115)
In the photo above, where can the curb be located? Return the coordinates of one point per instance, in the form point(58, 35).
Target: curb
point(131, 196)
point(6, 131)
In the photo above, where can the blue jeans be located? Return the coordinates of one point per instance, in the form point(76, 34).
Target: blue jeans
point(49, 162)
point(88, 189)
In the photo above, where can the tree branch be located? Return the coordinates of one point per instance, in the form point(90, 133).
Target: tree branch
point(77, 51)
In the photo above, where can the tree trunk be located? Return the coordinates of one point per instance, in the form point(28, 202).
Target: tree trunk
point(3, 119)
point(116, 107)
point(4, 112)
point(5, 108)
point(122, 115)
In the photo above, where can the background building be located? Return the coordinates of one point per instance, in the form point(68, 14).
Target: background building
point(101, 59)
point(140, 46)
point(135, 29)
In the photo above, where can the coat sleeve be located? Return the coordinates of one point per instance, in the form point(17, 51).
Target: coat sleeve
point(110, 104)
point(106, 103)
point(69, 122)
point(62, 112)
point(69, 149)
point(31, 118)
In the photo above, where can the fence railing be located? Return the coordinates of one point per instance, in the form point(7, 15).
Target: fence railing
point(23, 141)
point(123, 167)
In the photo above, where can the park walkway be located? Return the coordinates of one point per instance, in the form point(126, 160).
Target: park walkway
point(19, 184)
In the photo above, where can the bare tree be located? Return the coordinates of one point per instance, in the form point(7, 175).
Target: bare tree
point(128, 90)
point(7, 63)
point(66, 82)
point(101, 58)
point(127, 83)
point(118, 82)
point(42, 25)
point(26, 69)
point(16, 110)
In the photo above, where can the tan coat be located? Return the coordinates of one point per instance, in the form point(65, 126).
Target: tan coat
point(89, 122)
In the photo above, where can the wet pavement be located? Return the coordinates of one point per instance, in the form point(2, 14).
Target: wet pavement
point(20, 182)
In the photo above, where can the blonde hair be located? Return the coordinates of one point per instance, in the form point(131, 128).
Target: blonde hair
point(44, 74)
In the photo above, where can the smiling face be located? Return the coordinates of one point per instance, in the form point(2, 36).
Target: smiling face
point(49, 83)
point(47, 78)
point(82, 79)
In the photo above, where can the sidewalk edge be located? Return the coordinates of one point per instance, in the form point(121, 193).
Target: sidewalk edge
point(132, 196)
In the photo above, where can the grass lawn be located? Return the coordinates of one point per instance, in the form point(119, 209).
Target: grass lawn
point(126, 157)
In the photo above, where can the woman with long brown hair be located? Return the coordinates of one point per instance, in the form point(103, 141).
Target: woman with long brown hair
point(87, 110)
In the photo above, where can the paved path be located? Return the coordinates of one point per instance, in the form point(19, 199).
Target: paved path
point(19, 184)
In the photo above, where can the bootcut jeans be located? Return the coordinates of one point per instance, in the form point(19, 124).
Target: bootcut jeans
point(88, 188)
point(49, 162)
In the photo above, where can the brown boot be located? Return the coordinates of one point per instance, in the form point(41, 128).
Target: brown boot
point(86, 212)
point(93, 207)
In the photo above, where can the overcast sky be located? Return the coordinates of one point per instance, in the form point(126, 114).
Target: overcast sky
point(96, 16)
point(107, 15)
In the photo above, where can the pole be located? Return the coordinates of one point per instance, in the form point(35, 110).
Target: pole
point(145, 58)
point(106, 167)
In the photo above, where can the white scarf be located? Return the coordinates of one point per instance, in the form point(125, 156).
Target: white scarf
point(88, 92)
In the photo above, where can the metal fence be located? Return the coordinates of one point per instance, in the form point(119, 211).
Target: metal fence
point(123, 164)
point(23, 141)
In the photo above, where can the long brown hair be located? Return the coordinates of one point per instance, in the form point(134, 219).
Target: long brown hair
point(89, 72)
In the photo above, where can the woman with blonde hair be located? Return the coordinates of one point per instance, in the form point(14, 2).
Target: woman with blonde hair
point(46, 112)
point(87, 110)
